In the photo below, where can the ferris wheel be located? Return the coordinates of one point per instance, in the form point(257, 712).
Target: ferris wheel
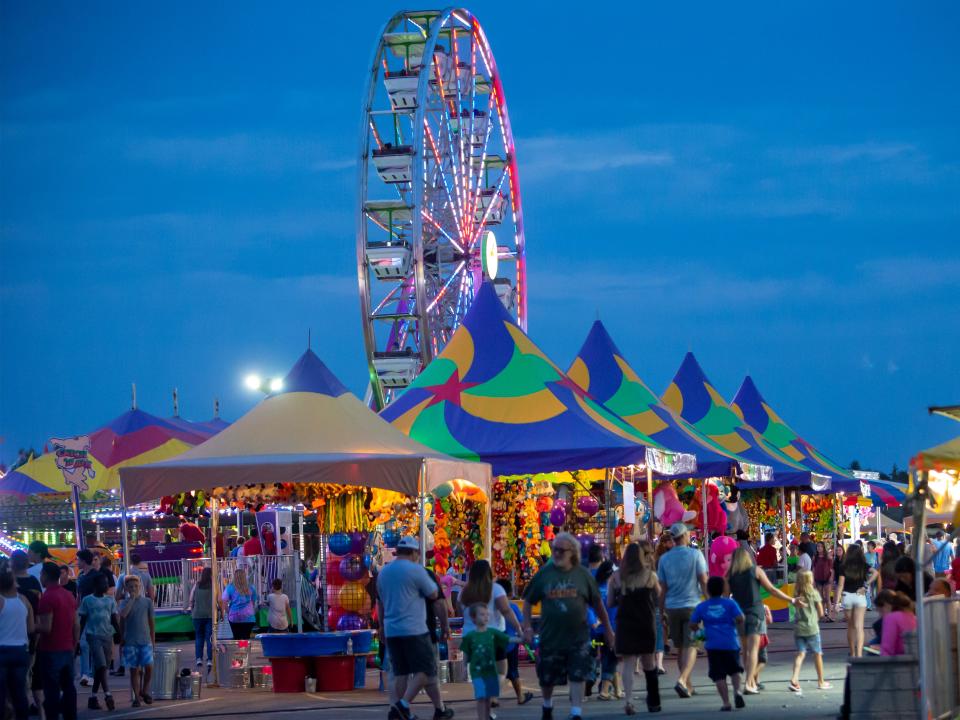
point(439, 198)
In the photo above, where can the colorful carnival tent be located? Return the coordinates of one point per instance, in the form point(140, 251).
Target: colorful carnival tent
point(887, 493)
point(313, 431)
point(602, 371)
point(754, 410)
point(694, 398)
point(133, 438)
point(493, 395)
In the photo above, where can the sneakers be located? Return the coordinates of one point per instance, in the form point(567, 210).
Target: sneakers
point(404, 713)
point(444, 714)
point(85, 680)
point(546, 713)
point(93, 703)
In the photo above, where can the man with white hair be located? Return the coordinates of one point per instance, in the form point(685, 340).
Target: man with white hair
point(565, 590)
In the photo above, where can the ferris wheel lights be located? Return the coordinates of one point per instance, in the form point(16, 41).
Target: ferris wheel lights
point(253, 381)
point(276, 385)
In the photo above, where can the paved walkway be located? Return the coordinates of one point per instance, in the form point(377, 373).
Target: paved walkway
point(775, 701)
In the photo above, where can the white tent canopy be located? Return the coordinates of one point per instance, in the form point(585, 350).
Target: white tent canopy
point(313, 431)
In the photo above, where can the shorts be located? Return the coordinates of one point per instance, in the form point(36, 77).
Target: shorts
point(722, 664)
point(854, 600)
point(808, 643)
point(137, 656)
point(513, 663)
point(678, 620)
point(486, 687)
point(101, 650)
point(557, 665)
point(411, 654)
point(754, 624)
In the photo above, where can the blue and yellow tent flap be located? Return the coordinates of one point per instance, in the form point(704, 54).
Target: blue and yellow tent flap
point(753, 409)
point(694, 398)
point(602, 371)
point(493, 395)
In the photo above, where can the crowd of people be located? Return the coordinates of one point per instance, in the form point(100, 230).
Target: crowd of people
point(603, 623)
point(599, 624)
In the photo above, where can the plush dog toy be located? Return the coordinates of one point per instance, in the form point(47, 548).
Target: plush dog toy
point(667, 507)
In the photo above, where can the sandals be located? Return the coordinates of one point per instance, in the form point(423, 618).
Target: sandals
point(795, 687)
point(824, 686)
point(681, 690)
point(527, 697)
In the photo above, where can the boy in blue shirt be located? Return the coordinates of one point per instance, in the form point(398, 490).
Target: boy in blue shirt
point(722, 621)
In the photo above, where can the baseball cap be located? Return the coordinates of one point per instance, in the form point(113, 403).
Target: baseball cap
point(40, 548)
point(409, 542)
point(678, 529)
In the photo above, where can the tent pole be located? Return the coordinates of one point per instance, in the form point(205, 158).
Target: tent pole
point(123, 530)
point(422, 490)
point(703, 515)
point(607, 511)
point(783, 526)
point(214, 584)
point(919, 540)
point(298, 569)
point(488, 531)
point(650, 519)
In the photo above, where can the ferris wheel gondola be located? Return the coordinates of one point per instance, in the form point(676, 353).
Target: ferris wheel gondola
point(439, 198)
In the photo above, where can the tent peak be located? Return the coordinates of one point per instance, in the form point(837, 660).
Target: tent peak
point(310, 374)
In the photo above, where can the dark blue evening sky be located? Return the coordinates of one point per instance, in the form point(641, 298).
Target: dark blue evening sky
point(774, 186)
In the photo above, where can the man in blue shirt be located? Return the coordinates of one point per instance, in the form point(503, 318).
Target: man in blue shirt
point(722, 620)
point(683, 574)
point(402, 587)
point(944, 555)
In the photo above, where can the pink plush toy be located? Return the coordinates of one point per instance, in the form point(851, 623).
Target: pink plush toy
point(721, 553)
point(667, 507)
point(716, 515)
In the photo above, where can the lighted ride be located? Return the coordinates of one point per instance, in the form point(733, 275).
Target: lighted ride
point(439, 202)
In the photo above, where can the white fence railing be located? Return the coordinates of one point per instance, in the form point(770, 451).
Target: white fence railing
point(174, 579)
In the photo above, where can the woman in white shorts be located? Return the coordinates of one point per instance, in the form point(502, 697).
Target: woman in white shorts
point(855, 579)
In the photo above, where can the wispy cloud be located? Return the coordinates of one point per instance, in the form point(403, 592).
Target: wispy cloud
point(547, 155)
point(842, 154)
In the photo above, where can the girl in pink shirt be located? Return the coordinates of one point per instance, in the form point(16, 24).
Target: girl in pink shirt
point(898, 618)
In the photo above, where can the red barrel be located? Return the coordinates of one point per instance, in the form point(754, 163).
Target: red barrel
point(289, 674)
point(335, 673)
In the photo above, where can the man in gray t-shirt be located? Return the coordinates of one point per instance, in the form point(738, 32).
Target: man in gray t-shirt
point(682, 572)
point(402, 586)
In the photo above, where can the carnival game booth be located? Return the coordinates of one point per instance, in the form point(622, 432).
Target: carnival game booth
point(314, 444)
point(694, 398)
point(603, 372)
point(76, 482)
point(493, 395)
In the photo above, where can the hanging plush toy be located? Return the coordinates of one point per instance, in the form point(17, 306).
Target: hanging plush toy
point(716, 516)
point(736, 514)
point(721, 553)
point(667, 507)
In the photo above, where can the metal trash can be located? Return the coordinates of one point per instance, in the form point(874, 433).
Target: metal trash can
point(166, 668)
point(233, 656)
point(456, 671)
point(260, 680)
point(188, 685)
